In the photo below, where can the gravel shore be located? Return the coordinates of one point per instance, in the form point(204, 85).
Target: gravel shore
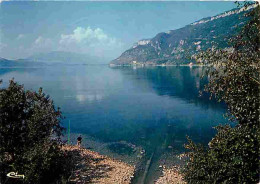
point(91, 167)
point(170, 176)
point(171, 164)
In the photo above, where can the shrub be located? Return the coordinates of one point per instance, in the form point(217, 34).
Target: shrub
point(233, 154)
point(29, 136)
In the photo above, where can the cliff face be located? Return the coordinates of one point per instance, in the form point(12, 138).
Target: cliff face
point(176, 46)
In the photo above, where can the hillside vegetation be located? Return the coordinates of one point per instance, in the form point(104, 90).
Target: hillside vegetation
point(181, 46)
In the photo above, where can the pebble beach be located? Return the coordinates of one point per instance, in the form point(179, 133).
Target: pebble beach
point(91, 167)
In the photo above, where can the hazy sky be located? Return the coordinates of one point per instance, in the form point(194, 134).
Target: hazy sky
point(94, 28)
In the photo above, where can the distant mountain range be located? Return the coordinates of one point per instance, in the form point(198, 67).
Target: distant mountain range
point(54, 57)
point(65, 57)
point(18, 63)
point(178, 46)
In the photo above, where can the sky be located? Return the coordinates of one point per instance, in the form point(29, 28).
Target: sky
point(103, 29)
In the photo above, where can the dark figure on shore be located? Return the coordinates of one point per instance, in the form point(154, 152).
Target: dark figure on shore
point(79, 141)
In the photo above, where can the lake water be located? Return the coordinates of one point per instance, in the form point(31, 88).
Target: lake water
point(151, 107)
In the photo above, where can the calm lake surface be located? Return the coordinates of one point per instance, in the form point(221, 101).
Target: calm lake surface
point(152, 107)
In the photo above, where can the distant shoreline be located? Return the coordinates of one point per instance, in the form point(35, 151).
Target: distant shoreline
point(163, 65)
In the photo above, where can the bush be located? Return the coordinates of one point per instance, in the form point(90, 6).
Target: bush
point(233, 154)
point(29, 136)
point(232, 157)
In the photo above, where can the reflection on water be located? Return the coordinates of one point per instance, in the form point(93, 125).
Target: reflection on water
point(155, 107)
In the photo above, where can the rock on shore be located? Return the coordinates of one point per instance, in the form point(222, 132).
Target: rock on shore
point(91, 167)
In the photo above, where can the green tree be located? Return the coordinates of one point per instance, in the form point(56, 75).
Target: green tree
point(29, 136)
point(233, 154)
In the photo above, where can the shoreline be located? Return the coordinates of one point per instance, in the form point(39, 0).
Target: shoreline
point(103, 148)
point(92, 167)
point(155, 169)
point(139, 161)
point(154, 65)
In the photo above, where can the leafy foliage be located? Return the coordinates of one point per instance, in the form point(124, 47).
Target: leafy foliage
point(29, 136)
point(233, 154)
point(235, 75)
point(232, 157)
